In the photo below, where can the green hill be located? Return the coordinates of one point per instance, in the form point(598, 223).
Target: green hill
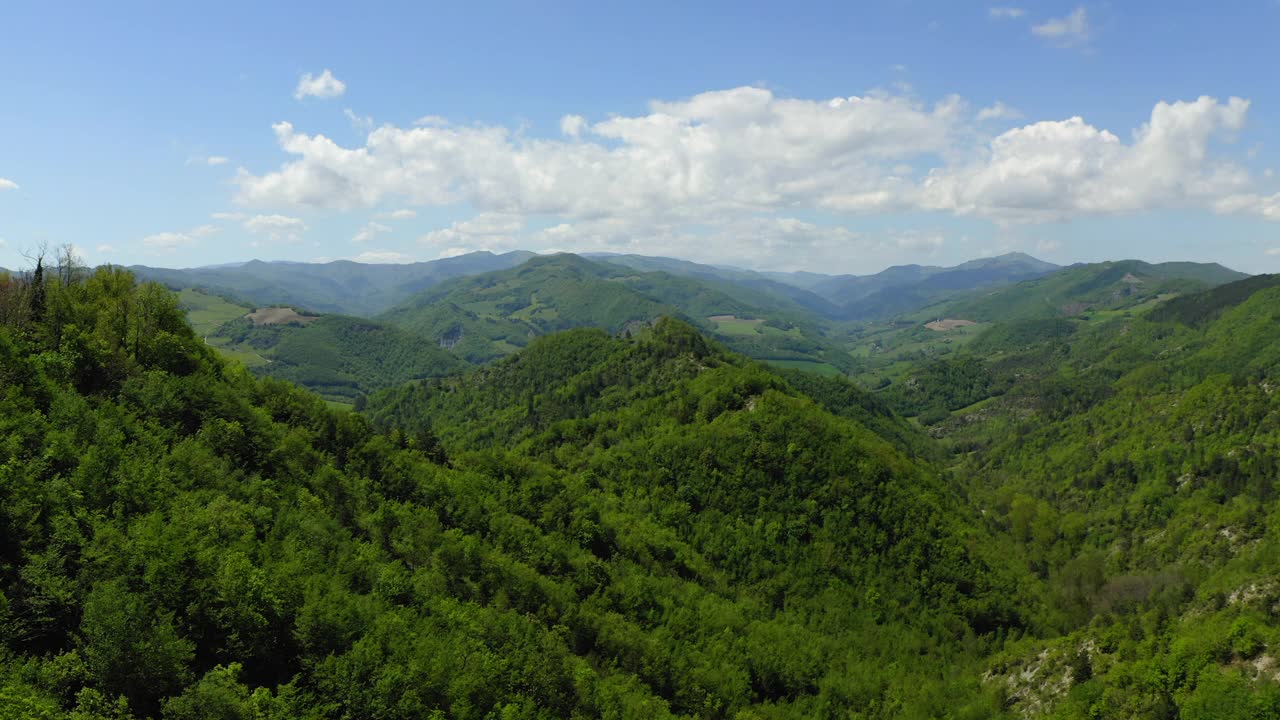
point(488, 316)
point(1080, 289)
point(339, 357)
point(341, 286)
point(1199, 308)
point(1135, 463)
point(778, 289)
point(905, 288)
point(658, 528)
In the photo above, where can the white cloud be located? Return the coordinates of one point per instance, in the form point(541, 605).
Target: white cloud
point(170, 241)
point(739, 149)
point(383, 257)
point(104, 249)
point(324, 85)
point(216, 160)
point(369, 232)
point(452, 252)
point(362, 123)
point(277, 228)
point(998, 111)
point(1266, 207)
point(1056, 170)
point(401, 214)
point(1066, 31)
point(487, 231)
point(7, 184)
point(1001, 13)
point(685, 170)
point(573, 125)
point(228, 216)
point(1273, 251)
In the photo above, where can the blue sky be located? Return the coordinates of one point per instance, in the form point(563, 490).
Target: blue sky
point(836, 137)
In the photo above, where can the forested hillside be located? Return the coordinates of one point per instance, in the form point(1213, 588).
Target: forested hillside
point(602, 527)
point(1078, 521)
point(341, 286)
point(1135, 463)
point(485, 317)
point(339, 357)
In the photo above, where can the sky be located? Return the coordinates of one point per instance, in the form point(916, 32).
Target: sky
point(830, 137)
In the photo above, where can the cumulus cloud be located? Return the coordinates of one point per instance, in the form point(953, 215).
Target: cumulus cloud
point(681, 175)
point(216, 160)
point(1065, 31)
point(1003, 13)
point(487, 231)
point(383, 257)
point(1055, 170)
point(739, 149)
point(572, 125)
point(1266, 207)
point(324, 85)
point(7, 184)
point(369, 232)
point(277, 228)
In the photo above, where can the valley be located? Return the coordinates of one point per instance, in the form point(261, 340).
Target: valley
point(881, 360)
point(1007, 516)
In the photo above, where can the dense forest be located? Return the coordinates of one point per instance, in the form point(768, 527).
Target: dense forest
point(664, 529)
point(1069, 517)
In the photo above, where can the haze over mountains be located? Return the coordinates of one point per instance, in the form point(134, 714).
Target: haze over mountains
point(366, 289)
point(476, 308)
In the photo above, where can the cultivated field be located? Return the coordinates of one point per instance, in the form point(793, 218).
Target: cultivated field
point(280, 316)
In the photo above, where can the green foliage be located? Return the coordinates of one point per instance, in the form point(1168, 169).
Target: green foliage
point(638, 523)
point(1077, 289)
point(595, 527)
point(1134, 463)
point(489, 316)
point(1200, 308)
point(339, 357)
point(341, 287)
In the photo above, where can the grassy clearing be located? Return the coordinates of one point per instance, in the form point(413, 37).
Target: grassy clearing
point(207, 313)
point(733, 325)
point(248, 358)
point(813, 366)
point(280, 316)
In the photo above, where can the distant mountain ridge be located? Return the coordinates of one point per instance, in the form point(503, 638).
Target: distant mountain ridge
point(486, 316)
point(342, 286)
point(1071, 291)
point(903, 288)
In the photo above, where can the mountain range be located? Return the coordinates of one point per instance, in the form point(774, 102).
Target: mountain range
point(1060, 503)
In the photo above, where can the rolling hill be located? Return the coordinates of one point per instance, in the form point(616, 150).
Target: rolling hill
point(646, 527)
point(484, 317)
point(905, 288)
point(1135, 462)
point(1082, 289)
point(783, 289)
point(338, 357)
point(341, 286)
